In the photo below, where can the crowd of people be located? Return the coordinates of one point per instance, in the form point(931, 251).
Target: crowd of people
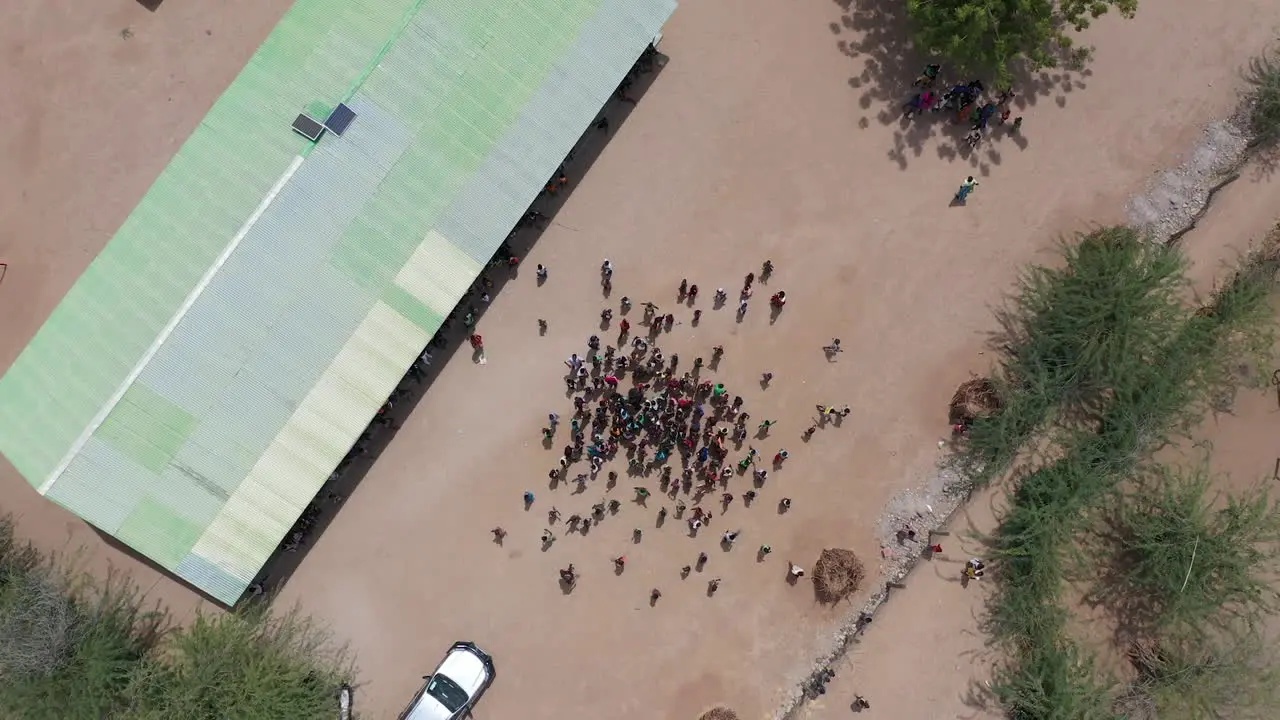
point(967, 103)
point(683, 435)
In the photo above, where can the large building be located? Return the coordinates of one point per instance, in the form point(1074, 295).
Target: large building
point(204, 377)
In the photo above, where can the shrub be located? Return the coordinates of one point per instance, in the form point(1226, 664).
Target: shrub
point(248, 664)
point(1103, 362)
point(1263, 100)
point(1230, 674)
point(1074, 333)
point(1182, 560)
point(68, 647)
point(73, 648)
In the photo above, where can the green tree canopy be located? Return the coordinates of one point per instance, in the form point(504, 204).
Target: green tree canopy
point(993, 35)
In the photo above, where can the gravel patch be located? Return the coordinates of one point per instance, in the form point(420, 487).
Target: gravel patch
point(1175, 198)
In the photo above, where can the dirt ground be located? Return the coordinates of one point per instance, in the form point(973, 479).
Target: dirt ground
point(936, 612)
point(771, 134)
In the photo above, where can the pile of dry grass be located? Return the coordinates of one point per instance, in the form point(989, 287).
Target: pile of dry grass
point(1135, 704)
point(837, 575)
point(975, 398)
point(719, 713)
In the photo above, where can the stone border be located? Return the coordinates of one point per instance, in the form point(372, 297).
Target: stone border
point(849, 631)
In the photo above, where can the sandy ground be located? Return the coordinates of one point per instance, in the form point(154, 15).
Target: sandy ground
point(771, 134)
point(701, 183)
point(924, 656)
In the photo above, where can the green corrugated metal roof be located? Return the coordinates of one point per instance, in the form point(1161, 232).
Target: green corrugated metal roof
point(211, 367)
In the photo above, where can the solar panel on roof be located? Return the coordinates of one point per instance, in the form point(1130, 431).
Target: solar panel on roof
point(307, 128)
point(340, 119)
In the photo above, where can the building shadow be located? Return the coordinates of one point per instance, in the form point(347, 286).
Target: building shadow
point(456, 329)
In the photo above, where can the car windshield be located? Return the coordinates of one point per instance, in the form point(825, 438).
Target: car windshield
point(447, 692)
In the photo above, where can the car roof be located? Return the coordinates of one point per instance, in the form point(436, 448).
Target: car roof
point(428, 708)
point(466, 666)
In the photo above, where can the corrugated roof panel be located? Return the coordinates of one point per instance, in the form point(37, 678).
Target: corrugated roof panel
point(338, 261)
point(222, 468)
point(96, 467)
point(375, 141)
point(248, 527)
point(155, 530)
point(210, 578)
point(439, 273)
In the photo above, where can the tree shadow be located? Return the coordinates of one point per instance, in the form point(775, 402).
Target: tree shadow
point(150, 5)
point(1108, 587)
point(878, 34)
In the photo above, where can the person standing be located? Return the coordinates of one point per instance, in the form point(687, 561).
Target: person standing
point(966, 187)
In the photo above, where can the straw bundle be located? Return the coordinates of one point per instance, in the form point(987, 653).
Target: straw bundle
point(837, 575)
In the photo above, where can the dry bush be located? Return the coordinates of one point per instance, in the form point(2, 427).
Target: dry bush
point(1134, 703)
point(719, 713)
point(837, 575)
point(39, 624)
point(974, 399)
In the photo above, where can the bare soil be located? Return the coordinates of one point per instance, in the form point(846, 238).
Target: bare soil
point(772, 134)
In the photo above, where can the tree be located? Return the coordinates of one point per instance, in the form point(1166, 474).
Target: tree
point(996, 35)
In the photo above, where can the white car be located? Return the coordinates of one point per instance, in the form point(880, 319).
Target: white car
point(454, 688)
